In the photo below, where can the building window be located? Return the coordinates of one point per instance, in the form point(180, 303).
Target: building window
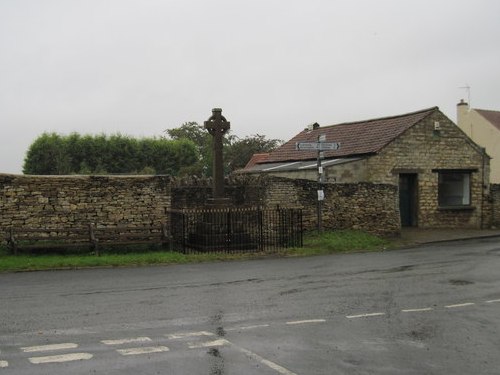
point(454, 189)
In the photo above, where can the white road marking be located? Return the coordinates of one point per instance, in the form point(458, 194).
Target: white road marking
point(247, 327)
point(460, 305)
point(493, 301)
point(268, 363)
point(126, 341)
point(60, 358)
point(188, 334)
point(417, 310)
point(364, 315)
point(208, 344)
point(47, 348)
point(306, 321)
point(143, 350)
point(416, 344)
point(4, 364)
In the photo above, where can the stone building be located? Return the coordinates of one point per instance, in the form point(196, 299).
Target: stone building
point(483, 127)
point(441, 174)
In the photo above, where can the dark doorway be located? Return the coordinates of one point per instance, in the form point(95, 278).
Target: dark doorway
point(408, 199)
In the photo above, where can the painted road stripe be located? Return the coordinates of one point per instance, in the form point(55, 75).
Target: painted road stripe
point(280, 369)
point(47, 348)
point(460, 305)
point(126, 341)
point(364, 315)
point(143, 350)
point(306, 321)
point(188, 334)
point(493, 301)
point(4, 364)
point(60, 358)
point(417, 310)
point(209, 344)
point(247, 327)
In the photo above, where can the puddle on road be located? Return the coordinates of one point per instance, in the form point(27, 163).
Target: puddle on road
point(217, 362)
point(460, 282)
point(217, 366)
point(400, 269)
point(494, 252)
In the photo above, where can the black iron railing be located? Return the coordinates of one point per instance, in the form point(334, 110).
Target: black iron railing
point(236, 229)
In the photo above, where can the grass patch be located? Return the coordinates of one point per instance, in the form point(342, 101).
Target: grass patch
point(47, 262)
point(314, 244)
point(341, 241)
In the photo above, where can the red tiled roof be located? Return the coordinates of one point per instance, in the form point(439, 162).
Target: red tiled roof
point(355, 138)
point(491, 116)
point(256, 159)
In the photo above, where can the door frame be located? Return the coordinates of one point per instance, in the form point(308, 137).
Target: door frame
point(408, 194)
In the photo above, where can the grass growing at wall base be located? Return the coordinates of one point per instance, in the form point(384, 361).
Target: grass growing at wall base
point(314, 244)
point(342, 241)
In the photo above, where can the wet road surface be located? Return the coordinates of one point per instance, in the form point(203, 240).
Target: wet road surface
point(427, 310)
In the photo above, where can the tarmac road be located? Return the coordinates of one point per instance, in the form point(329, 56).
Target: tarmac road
point(433, 309)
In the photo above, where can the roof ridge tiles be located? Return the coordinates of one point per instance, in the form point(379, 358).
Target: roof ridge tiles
point(356, 138)
point(383, 118)
point(486, 110)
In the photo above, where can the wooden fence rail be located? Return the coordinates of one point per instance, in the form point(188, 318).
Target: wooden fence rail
point(92, 236)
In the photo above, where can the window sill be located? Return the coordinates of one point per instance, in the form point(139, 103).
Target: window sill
point(456, 208)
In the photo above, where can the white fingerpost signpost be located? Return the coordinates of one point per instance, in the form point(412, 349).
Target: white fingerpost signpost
point(319, 146)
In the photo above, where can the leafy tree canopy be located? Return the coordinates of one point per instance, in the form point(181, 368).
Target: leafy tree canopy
point(237, 151)
point(52, 153)
point(186, 151)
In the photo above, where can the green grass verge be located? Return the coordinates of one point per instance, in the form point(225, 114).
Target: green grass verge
point(314, 244)
point(342, 241)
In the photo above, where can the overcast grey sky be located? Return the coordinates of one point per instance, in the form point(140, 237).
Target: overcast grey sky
point(139, 67)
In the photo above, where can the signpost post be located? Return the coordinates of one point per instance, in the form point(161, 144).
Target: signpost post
point(319, 146)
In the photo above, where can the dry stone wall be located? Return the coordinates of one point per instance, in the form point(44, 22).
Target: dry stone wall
point(495, 202)
point(54, 202)
point(75, 201)
point(373, 208)
point(194, 193)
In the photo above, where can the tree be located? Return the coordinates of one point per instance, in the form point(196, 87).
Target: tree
point(237, 152)
point(197, 134)
point(75, 154)
point(48, 153)
point(192, 131)
point(242, 150)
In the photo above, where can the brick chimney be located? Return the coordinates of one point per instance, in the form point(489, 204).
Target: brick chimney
point(313, 126)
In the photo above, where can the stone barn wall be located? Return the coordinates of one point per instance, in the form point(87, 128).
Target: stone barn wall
point(426, 152)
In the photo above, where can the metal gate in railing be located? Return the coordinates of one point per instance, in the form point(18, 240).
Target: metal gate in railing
point(236, 229)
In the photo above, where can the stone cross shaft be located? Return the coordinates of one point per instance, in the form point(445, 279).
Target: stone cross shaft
point(217, 126)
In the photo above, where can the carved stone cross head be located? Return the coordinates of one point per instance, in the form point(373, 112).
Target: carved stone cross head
point(217, 124)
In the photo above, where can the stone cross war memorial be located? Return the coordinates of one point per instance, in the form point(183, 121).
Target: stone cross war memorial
point(221, 225)
point(217, 126)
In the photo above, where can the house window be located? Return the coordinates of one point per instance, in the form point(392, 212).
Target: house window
point(454, 189)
